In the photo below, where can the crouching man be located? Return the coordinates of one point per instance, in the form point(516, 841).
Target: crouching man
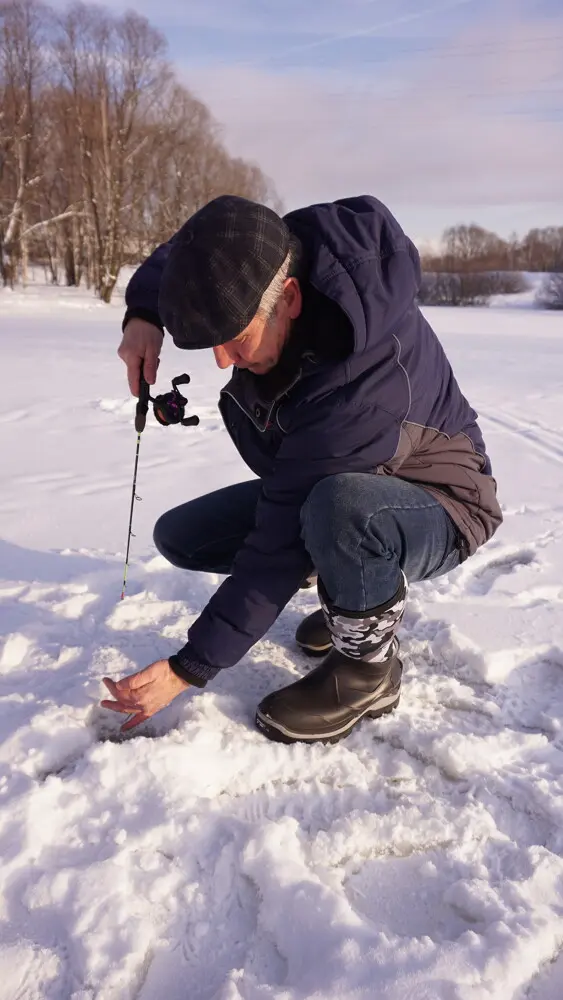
point(372, 470)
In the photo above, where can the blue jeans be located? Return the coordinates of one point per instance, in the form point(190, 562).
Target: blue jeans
point(360, 530)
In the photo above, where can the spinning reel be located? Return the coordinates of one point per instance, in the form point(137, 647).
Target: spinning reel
point(168, 408)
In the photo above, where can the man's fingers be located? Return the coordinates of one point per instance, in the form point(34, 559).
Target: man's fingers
point(136, 721)
point(132, 359)
point(127, 702)
point(137, 713)
point(132, 685)
point(112, 687)
point(150, 365)
point(134, 376)
point(121, 694)
point(118, 706)
point(140, 346)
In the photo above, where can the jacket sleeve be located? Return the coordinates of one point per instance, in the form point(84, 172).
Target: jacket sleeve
point(141, 294)
point(330, 437)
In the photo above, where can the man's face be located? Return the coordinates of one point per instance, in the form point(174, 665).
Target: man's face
point(259, 347)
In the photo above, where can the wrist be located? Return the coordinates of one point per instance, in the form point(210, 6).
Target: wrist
point(177, 680)
point(190, 669)
point(137, 312)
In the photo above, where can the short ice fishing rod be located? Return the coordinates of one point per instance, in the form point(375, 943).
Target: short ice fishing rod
point(168, 408)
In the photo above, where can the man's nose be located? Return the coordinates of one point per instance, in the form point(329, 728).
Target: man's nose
point(222, 359)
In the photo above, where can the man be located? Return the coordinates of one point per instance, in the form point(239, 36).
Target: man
point(372, 471)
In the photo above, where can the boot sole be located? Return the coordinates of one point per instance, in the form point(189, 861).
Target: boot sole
point(280, 734)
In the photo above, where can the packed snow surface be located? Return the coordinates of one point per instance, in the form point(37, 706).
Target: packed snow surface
point(419, 859)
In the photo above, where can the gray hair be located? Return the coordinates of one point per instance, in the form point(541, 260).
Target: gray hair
point(274, 292)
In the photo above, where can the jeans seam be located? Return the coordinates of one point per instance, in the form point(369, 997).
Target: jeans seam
point(397, 506)
point(362, 567)
point(359, 551)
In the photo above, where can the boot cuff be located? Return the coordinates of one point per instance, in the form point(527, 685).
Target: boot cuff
point(381, 609)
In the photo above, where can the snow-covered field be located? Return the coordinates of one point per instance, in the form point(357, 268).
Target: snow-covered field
point(420, 859)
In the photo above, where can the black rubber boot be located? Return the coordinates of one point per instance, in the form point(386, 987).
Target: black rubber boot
point(326, 704)
point(360, 676)
point(313, 634)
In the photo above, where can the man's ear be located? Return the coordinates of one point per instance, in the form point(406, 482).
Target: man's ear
point(293, 297)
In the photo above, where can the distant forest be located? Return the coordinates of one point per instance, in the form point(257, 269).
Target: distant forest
point(474, 264)
point(103, 152)
point(474, 249)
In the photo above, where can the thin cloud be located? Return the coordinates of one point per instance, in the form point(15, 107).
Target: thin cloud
point(455, 131)
point(370, 30)
point(328, 18)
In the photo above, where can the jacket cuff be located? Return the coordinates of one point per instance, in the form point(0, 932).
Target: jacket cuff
point(190, 669)
point(137, 312)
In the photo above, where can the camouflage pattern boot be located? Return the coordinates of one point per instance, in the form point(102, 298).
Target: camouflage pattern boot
point(361, 676)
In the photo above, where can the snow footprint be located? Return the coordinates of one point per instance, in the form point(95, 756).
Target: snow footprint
point(68, 601)
point(379, 889)
point(481, 579)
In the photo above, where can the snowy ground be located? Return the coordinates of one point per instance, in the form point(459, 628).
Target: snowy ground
point(420, 859)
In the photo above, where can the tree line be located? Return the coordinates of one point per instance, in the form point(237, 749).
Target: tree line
point(103, 151)
point(471, 249)
point(474, 264)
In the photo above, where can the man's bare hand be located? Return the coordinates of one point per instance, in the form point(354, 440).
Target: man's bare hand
point(144, 693)
point(142, 343)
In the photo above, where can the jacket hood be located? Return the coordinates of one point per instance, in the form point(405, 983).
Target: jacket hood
point(359, 257)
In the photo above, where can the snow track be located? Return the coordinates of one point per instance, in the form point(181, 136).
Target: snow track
point(542, 439)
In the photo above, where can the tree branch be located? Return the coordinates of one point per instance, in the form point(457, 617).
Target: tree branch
point(49, 222)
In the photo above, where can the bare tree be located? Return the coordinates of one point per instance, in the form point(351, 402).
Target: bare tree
point(166, 181)
point(22, 67)
point(113, 68)
point(181, 167)
point(61, 242)
point(103, 153)
point(472, 248)
point(542, 249)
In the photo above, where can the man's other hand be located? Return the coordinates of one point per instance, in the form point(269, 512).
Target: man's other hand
point(144, 693)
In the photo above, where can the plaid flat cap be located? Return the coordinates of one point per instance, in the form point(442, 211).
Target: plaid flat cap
point(221, 262)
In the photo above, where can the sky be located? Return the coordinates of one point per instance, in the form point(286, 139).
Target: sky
point(447, 110)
